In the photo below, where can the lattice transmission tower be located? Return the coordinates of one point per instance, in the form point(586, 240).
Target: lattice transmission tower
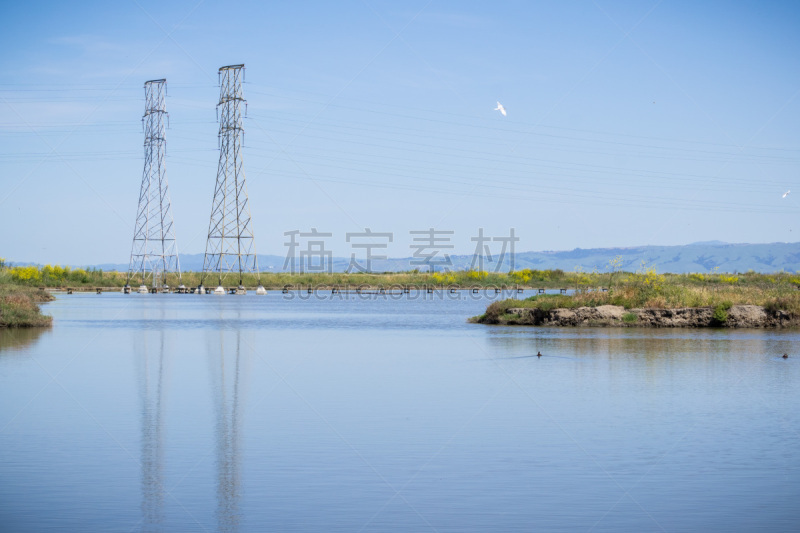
point(231, 245)
point(154, 252)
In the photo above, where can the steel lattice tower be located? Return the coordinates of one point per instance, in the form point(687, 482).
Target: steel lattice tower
point(230, 245)
point(154, 252)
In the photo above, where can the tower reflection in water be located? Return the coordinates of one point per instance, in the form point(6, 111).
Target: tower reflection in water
point(151, 369)
point(225, 363)
point(225, 368)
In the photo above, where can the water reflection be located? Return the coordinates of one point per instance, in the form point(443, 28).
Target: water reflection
point(699, 428)
point(225, 363)
point(151, 368)
point(19, 338)
point(652, 346)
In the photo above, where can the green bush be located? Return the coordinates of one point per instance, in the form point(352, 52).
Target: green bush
point(720, 315)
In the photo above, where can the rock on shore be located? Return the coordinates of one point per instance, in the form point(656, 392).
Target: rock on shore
point(738, 316)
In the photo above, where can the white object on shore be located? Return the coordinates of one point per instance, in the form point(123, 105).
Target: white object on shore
point(786, 194)
point(500, 108)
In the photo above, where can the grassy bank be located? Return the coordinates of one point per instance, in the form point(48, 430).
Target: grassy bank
point(638, 288)
point(774, 292)
point(63, 277)
point(643, 289)
point(19, 307)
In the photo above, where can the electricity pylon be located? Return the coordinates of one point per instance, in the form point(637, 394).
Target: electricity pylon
point(154, 252)
point(230, 246)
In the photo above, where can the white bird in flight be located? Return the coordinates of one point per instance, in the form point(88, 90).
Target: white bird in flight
point(785, 194)
point(500, 108)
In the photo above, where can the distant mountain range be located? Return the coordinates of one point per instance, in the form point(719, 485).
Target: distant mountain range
point(695, 257)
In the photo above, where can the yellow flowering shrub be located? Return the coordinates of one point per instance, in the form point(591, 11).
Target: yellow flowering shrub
point(26, 273)
point(521, 276)
point(478, 275)
point(444, 278)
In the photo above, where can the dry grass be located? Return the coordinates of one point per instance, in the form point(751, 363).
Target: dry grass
point(19, 307)
point(669, 292)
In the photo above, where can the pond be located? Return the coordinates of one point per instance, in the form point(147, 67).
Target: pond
point(349, 412)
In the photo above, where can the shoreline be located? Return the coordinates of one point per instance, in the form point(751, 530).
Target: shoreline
point(19, 307)
point(737, 316)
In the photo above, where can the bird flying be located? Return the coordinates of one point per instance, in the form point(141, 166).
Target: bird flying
point(500, 108)
point(784, 194)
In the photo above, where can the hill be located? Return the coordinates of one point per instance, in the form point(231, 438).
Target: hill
point(695, 257)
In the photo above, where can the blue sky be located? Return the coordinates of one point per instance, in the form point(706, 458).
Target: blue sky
point(629, 123)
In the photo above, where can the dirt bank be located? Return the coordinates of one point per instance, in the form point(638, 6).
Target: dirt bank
point(738, 316)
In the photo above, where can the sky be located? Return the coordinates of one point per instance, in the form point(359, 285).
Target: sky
point(629, 123)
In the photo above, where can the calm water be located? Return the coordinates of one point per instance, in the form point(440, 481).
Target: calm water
point(226, 413)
